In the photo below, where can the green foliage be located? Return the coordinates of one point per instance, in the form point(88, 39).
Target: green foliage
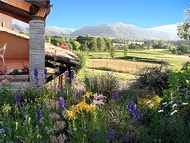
point(152, 79)
point(174, 51)
point(83, 59)
point(113, 51)
point(147, 60)
point(91, 122)
point(183, 49)
point(125, 50)
point(183, 29)
point(179, 85)
point(7, 95)
point(102, 83)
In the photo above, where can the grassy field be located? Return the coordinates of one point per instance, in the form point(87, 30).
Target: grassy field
point(102, 60)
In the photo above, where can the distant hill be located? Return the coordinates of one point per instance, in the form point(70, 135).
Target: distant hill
point(120, 30)
point(117, 30)
point(50, 30)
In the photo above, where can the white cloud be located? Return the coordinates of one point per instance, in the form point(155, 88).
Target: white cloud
point(171, 28)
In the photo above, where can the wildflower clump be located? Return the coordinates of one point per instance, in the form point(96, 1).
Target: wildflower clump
point(81, 108)
point(152, 102)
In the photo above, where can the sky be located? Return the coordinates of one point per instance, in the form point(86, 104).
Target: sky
point(141, 13)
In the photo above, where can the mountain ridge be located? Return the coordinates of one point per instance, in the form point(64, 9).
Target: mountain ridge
point(116, 30)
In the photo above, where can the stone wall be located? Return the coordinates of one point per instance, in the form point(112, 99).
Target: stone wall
point(36, 51)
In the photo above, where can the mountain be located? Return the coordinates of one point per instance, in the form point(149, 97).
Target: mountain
point(117, 30)
point(120, 30)
point(49, 30)
point(53, 30)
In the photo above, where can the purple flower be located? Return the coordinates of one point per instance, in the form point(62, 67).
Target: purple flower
point(131, 108)
point(45, 73)
point(72, 74)
point(111, 133)
point(127, 138)
point(58, 86)
point(133, 111)
point(38, 112)
point(18, 99)
point(138, 113)
point(2, 131)
point(77, 94)
point(36, 76)
point(83, 129)
point(96, 135)
point(62, 102)
point(116, 95)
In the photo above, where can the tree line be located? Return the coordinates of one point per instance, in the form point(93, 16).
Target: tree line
point(101, 44)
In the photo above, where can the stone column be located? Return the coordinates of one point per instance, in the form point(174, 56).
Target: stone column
point(37, 51)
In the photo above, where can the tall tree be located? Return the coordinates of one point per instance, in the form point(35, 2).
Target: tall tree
point(75, 44)
point(184, 28)
point(92, 44)
point(125, 49)
point(113, 51)
point(108, 43)
point(100, 44)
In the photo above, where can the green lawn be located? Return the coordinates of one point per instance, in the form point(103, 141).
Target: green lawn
point(157, 55)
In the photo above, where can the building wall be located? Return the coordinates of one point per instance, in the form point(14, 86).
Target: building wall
point(6, 21)
point(17, 47)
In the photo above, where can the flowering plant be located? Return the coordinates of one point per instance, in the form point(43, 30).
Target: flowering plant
point(22, 71)
point(3, 71)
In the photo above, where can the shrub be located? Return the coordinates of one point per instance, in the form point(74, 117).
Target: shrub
point(83, 58)
point(102, 83)
point(152, 79)
point(178, 92)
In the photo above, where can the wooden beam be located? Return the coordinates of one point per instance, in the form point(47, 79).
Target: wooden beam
point(21, 14)
point(39, 3)
point(63, 60)
point(53, 75)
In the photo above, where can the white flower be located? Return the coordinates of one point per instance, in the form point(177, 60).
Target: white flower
point(100, 96)
point(164, 103)
point(173, 112)
point(11, 70)
point(184, 103)
point(160, 111)
point(1, 122)
point(98, 102)
point(174, 105)
point(149, 104)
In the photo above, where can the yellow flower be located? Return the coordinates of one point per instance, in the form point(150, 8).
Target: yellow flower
point(81, 106)
point(6, 108)
point(90, 107)
point(157, 99)
point(75, 109)
point(150, 103)
point(88, 94)
point(16, 124)
point(70, 115)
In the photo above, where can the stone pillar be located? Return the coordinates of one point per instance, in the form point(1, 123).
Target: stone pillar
point(37, 51)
